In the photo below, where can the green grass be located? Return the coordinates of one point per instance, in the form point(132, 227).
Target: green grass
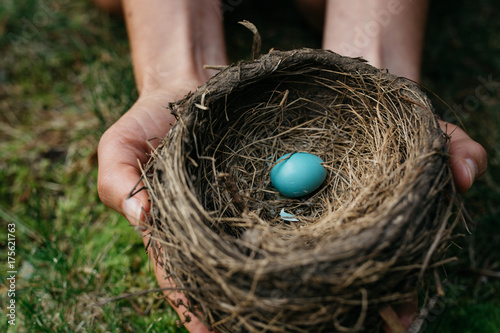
point(65, 76)
point(60, 64)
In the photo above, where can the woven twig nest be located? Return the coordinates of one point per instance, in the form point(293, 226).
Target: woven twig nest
point(364, 239)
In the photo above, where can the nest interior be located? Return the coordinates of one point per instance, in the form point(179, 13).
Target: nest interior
point(365, 238)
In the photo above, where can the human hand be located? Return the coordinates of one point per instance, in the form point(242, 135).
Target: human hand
point(468, 159)
point(121, 149)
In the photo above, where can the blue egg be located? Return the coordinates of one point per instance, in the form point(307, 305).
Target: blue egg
point(298, 174)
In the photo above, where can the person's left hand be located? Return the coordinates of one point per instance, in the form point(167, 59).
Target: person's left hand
point(468, 161)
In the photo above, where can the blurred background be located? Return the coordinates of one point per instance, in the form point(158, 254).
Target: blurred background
point(66, 76)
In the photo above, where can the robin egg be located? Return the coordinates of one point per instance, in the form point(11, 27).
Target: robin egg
point(298, 174)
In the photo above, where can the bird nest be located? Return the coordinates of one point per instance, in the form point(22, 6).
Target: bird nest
point(251, 260)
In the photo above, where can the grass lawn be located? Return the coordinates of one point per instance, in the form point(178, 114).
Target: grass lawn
point(66, 76)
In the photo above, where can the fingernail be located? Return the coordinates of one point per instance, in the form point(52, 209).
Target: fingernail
point(471, 169)
point(132, 209)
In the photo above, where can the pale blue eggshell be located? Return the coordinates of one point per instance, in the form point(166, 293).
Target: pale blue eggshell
point(298, 174)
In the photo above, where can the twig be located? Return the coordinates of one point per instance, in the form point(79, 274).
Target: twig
point(257, 40)
point(391, 319)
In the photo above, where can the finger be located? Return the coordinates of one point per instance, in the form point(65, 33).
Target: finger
point(119, 174)
point(122, 149)
point(406, 314)
point(177, 300)
point(120, 153)
point(468, 159)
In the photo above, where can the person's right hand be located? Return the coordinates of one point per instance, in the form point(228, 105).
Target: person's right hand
point(121, 149)
point(468, 159)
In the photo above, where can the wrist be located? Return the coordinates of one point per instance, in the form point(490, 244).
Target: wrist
point(157, 80)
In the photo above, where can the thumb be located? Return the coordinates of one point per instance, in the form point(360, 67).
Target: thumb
point(119, 176)
point(122, 148)
point(468, 160)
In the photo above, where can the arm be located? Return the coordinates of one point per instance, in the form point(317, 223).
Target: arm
point(387, 33)
point(390, 34)
point(170, 42)
point(173, 39)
